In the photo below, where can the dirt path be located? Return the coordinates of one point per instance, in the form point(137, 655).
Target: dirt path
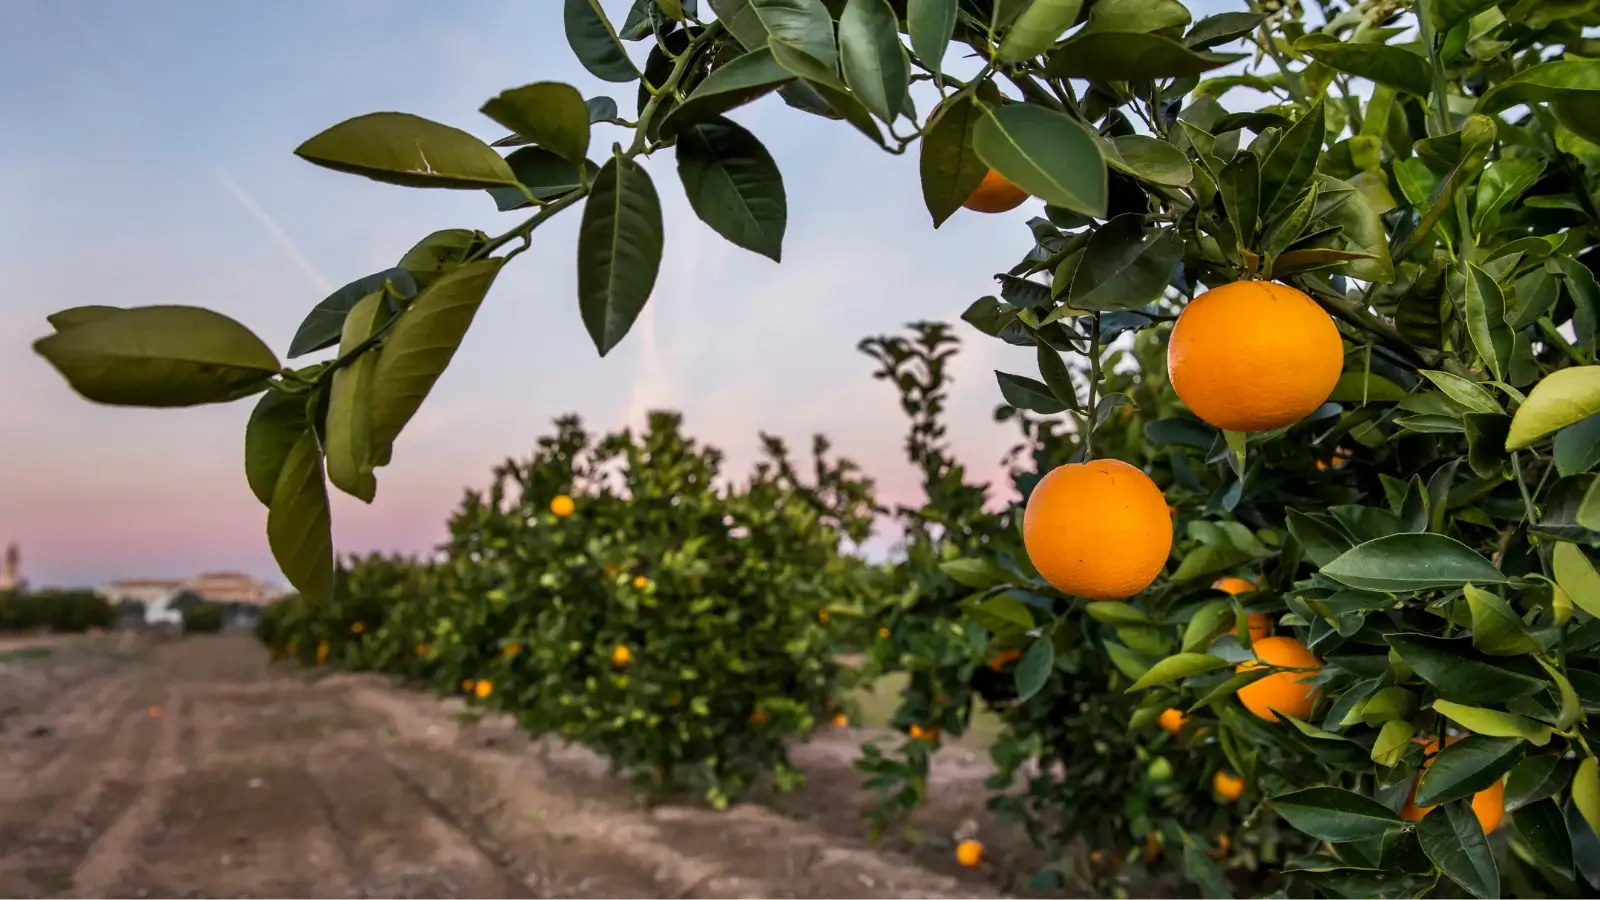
point(195, 769)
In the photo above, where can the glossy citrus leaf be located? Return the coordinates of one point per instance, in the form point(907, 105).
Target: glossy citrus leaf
point(1033, 670)
point(929, 23)
point(324, 324)
point(873, 60)
point(80, 315)
point(734, 185)
point(1544, 830)
point(1577, 576)
point(1466, 767)
point(276, 423)
point(1182, 665)
point(548, 113)
point(1124, 266)
point(1562, 398)
point(1334, 814)
point(1411, 562)
point(730, 86)
point(1494, 723)
point(1496, 628)
point(620, 242)
point(803, 26)
point(1131, 56)
point(348, 446)
point(1396, 67)
point(949, 166)
point(1038, 28)
point(299, 527)
point(160, 356)
point(407, 150)
point(1046, 153)
point(1454, 840)
point(432, 256)
point(1458, 673)
point(1535, 778)
point(421, 344)
point(595, 42)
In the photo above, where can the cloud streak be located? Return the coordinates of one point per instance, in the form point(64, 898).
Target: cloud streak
point(274, 230)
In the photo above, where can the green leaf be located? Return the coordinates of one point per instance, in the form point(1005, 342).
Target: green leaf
point(410, 151)
point(1586, 792)
point(872, 58)
point(160, 356)
point(1113, 612)
point(1363, 227)
point(950, 168)
point(1466, 767)
point(1535, 778)
point(999, 614)
point(1289, 168)
point(80, 315)
point(548, 113)
point(1577, 447)
point(1232, 686)
point(1577, 576)
point(299, 528)
point(1365, 387)
point(1182, 665)
point(734, 185)
point(325, 322)
point(1125, 267)
point(1126, 661)
point(432, 256)
point(1546, 81)
point(1137, 15)
point(1493, 723)
point(1485, 307)
point(1222, 28)
point(973, 572)
point(1240, 187)
point(1411, 562)
point(1571, 709)
point(747, 78)
point(420, 345)
point(1046, 153)
point(620, 242)
point(1384, 64)
point(1467, 393)
point(1503, 181)
point(348, 446)
point(1393, 739)
point(1335, 815)
point(1448, 665)
point(1038, 28)
point(1131, 56)
point(1148, 159)
point(595, 42)
point(1207, 622)
point(1496, 628)
point(1322, 542)
point(277, 422)
point(742, 22)
point(1544, 830)
point(824, 84)
point(1026, 393)
point(930, 24)
point(1454, 840)
point(1056, 375)
point(1564, 397)
point(544, 175)
point(803, 26)
point(1033, 670)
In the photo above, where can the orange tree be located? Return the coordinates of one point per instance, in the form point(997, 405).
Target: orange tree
point(638, 604)
point(1093, 791)
point(1420, 173)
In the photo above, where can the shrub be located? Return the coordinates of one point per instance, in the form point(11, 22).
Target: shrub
point(203, 618)
point(72, 611)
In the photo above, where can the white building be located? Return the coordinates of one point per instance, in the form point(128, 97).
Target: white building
point(157, 594)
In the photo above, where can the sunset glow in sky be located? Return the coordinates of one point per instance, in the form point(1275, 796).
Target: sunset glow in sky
point(147, 159)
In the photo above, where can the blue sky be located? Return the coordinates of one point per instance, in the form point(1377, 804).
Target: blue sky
point(148, 159)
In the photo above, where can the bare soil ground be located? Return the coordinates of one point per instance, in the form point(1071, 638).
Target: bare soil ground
point(196, 769)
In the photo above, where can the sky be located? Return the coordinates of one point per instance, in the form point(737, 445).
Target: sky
point(147, 159)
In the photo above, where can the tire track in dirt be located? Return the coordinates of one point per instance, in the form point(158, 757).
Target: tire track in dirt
point(747, 851)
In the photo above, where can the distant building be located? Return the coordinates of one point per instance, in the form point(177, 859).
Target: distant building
point(164, 598)
point(11, 570)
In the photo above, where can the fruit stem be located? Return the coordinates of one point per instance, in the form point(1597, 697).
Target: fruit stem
point(1094, 385)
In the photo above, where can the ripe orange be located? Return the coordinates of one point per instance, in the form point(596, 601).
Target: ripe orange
point(969, 854)
point(995, 194)
point(1233, 585)
point(562, 506)
point(422, 649)
point(322, 653)
point(483, 689)
point(1281, 691)
point(640, 582)
point(1254, 356)
point(1228, 787)
point(1488, 804)
point(1224, 845)
point(883, 633)
point(1005, 656)
point(1172, 721)
point(357, 627)
point(822, 616)
point(466, 684)
point(621, 656)
point(513, 649)
point(841, 720)
point(1098, 530)
point(759, 717)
